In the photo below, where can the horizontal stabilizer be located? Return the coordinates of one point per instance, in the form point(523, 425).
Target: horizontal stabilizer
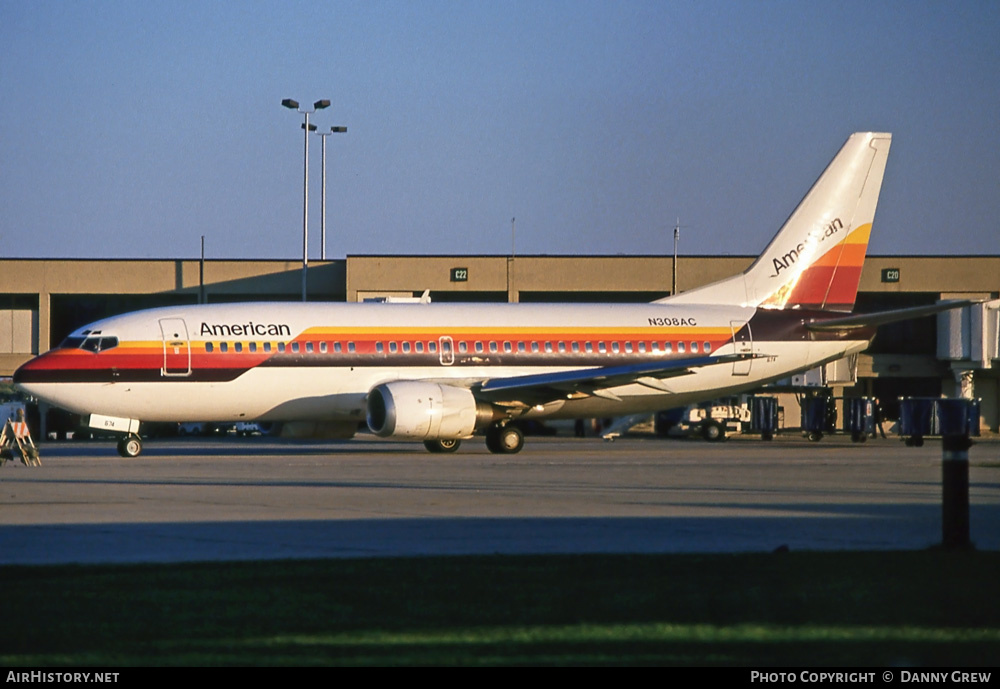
point(869, 320)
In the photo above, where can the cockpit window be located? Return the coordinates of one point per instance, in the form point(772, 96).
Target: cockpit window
point(90, 344)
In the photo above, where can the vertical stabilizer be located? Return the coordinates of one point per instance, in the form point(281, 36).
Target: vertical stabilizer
point(815, 260)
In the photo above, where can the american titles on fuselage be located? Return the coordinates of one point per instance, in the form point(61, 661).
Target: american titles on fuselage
point(242, 329)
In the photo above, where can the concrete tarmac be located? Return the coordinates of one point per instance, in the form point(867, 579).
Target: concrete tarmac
point(228, 499)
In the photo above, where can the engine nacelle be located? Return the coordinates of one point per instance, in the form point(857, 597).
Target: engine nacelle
point(428, 411)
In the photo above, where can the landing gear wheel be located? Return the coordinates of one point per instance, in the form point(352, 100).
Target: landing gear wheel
point(713, 432)
point(442, 445)
point(130, 446)
point(504, 440)
point(815, 437)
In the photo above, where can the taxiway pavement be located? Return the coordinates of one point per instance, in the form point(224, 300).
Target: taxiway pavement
point(227, 499)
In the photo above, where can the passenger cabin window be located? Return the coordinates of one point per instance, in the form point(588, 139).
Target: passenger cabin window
point(707, 348)
point(680, 347)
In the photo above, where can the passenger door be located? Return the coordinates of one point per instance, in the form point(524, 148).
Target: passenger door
point(176, 347)
point(743, 344)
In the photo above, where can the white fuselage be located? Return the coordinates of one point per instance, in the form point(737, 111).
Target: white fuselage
point(290, 361)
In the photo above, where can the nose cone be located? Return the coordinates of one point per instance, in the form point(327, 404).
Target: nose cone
point(24, 373)
point(41, 377)
point(30, 374)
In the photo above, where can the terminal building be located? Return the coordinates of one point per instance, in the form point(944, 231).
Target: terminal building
point(952, 354)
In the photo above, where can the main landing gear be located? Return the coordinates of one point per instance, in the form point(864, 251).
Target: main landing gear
point(504, 439)
point(130, 446)
point(442, 445)
point(501, 438)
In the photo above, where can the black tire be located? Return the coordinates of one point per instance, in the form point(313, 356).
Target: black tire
point(713, 431)
point(504, 440)
point(815, 437)
point(442, 445)
point(130, 447)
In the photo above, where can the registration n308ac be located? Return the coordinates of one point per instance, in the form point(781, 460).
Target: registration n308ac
point(659, 320)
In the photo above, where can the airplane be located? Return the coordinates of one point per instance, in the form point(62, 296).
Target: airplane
point(443, 373)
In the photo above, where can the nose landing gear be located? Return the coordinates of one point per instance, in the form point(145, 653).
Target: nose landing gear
point(130, 446)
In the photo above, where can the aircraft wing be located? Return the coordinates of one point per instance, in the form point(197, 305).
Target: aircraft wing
point(538, 388)
point(867, 320)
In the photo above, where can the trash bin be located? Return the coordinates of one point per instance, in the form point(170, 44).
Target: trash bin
point(764, 416)
point(859, 418)
point(819, 416)
point(958, 416)
point(924, 416)
point(916, 418)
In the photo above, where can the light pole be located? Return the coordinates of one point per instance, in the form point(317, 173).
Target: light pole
point(677, 235)
point(294, 105)
point(322, 245)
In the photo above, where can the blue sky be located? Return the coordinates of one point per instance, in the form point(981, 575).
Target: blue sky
point(131, 129)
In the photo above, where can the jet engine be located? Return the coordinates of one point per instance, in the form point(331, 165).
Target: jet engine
point(414, 409)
